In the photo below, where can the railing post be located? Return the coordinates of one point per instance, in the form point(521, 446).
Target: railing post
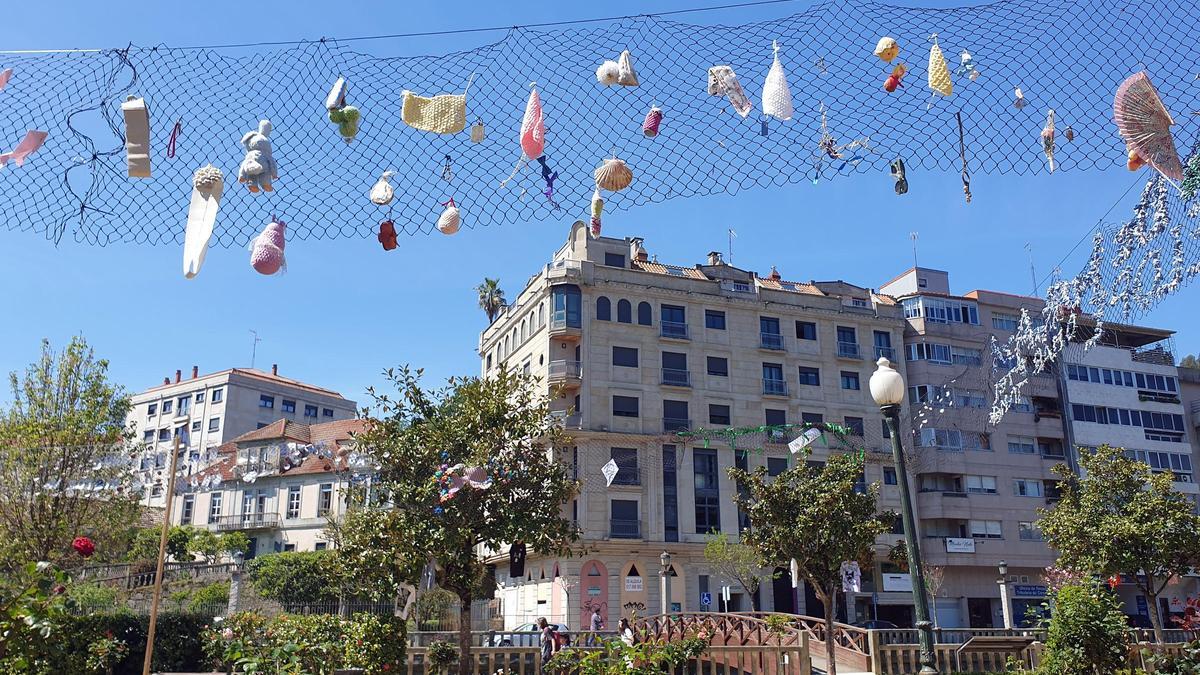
point(874, 651)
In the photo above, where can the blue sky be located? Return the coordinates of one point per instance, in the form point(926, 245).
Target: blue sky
point(344, 311)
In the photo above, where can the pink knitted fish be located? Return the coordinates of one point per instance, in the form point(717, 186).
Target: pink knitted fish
point(266, 255)
point(533, 127)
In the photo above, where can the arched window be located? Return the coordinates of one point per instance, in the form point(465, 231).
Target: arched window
point(541, 314)
point(624, 312)
point(603, 309)
point(644, 314)
point(523, 328)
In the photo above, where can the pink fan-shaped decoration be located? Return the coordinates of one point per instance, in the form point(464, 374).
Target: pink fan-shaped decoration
point(533, 127)
point(266, 256)
point(1145, 124)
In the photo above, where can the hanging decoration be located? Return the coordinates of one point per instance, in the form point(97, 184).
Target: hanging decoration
point(208, 183)
point(805, 439)
point(597, 209)
point(1048, 139)
point(266, 253)
point(549, 177)
point(610, 471)
point(618, 72)
point(447, 169)
point(477, 132)
point(453, 479)
point(346, 117)
point(653, 120)
point(137, 136)
point(851, 577)
point(441, 114)
point(29, 144)
point(449, 221)
point(962, 154)
point(887, 49)
point(387, 235)
point(1019, 101)
point(1145, 125)
point(966, 66)
point(533, 126)
point(1190, 186)
point(613, 175)
point(722, 81)
point(382, 192)
point(258, 167)
point(776, 96)
point(939, 71)
point(894, 80)
point(828, 148)
point(1069, 134)
point(5, 76)
point(899, 175)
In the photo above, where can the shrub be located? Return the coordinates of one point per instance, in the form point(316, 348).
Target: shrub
point(317, 643)
point(93, 597)
point(1087, 633)
point(293, 578)
point(1186, 663)
point(210, 598)
point(177, 645)
point(431, 607)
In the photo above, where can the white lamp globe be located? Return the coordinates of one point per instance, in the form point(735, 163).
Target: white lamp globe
point(887, 385)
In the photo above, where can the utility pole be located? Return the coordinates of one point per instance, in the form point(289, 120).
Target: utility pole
point(913, 236)
point(254, 348)
point(1032, 274)
point(162, 552)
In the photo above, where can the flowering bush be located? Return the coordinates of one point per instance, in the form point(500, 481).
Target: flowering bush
point(104, 654)
point(650, 657)
point(1191, 615)
point(318, 643)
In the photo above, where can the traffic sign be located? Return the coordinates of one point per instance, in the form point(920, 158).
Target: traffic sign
point(706, 598)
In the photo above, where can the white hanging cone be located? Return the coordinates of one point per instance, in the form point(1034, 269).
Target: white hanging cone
point(776, 96)
point(382, 192)
point(137, 136)
point(207, 186)
point(626, 77)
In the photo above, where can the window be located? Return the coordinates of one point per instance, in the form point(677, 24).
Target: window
point(929, 351)
point(769, 337)
point(293, 502)
point(196, 425)
point(980, 485)
point(964, 398)
point(718, 414)
point(847, 340)
point(707, 491)
point(954, 440)
point(856, 426)
point(773, 382)
point(670, 495)
point(624, 311)
point(626, 357)
point(1005, 322)
point(166, 406)
point(776, 465)
point(627, 465)
point(624, 406)
point(289, 406)
point(324, 499)
point(889, 476)
point(776, 418)
point(327, 412)
point(152, 410)
point(1029, 531)
point(1027, 487)
point(183, 404)
point(985, 529)
point(806, 330)
point(1022, 445)
point(812, 418)
point(311, 410)
point(217, 395)
point(810, 376)
point(148, 436)
point(626, 521)
point(714, 319)
point(938, 310)
point(320, 546)
point(718, 365)
point(965, 356)
point(603, 309)
point(850, 380)
point(567, 302)
point(674, 321)
point(675, 415)
point(164, 434)
point(645, 314)
point(289, 548)
point(265, 401)
point(675, 369)
point(214, 423)
point(189, 506)
point(614, 260)
point(199, 397)
point(214, 507)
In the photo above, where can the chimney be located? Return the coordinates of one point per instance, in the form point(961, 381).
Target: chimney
point(195, 372)
point(636, 252)
point(714, 258)
point(275, 369)
point(166, 380)
point(178, 376)
point(774, 274)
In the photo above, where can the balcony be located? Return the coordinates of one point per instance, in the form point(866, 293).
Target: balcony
point(562, 326)
point(246, 521)
point(673, 424)
point(674, 377)
point(885, 353)
point(564, 372)
point(848, 350)
point(773, 341)
point(574, 421)
point(775, 387)
point(675, 330)
point(564, 269)
point(624, 529)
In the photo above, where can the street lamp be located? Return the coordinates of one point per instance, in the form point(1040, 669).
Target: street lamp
point(1005, 609)
point(887, 388)
point(664, 581)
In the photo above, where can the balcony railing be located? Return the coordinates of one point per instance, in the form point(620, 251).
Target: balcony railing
point(770, 341)
point(775, 387)
point(625, 529)
point(885, 353)
point(565, 370)
point(246, 521)
point(849, 350)
point(676, 377)
point(674, 329)
point(671, 424)
point(574, 421)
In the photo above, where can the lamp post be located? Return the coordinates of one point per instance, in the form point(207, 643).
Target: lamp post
point(1006, 610)
point(664, 581)
point(887, 388)
point(235, 582)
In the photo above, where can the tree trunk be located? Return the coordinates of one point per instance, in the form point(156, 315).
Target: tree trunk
point(464, 633)
point(826, 599)
point(1155, 617)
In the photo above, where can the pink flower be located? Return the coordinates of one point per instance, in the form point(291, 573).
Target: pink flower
point(83, 546)
point(227, 634)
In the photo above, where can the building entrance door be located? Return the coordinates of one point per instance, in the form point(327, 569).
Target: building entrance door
point(979, 612)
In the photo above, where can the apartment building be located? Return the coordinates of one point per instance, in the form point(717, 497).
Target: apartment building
point(278, 484)
point(637, 350)
point(215, 408)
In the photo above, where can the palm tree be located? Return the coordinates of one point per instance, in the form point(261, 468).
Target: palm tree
point(491, 298)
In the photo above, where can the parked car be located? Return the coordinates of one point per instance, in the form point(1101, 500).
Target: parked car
point(877, 624)
point(525, 635)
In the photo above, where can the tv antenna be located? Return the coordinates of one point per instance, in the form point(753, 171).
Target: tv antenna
point(254, 347)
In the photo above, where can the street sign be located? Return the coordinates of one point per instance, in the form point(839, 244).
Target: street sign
point(706, 598)
point(725, 593)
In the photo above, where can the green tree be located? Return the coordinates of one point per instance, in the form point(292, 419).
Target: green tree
point(499, 423)
point(1087, 632)
point(735, 562)
point(813, 514)
point(1120, 518)
point(232, 543)
point(206, 544)
point(491, 298)
point(1190, 361)
point(63, 459)
point(294, 579)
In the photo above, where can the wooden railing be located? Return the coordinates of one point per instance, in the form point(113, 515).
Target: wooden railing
point(716, 660)
point(726, 630)
point(484, 661)
point(901, 659)
point(851, 644)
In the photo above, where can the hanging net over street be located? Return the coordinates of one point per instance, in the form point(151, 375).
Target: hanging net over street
point(1065, 55)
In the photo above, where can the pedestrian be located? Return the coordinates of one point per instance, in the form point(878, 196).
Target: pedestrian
point(547, 639)
point(596, 625)
point(626, 632)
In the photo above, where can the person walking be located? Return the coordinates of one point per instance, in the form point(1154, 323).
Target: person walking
point(547, 639)
point(595, 625)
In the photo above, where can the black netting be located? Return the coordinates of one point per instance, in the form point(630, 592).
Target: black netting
point(1064, 54)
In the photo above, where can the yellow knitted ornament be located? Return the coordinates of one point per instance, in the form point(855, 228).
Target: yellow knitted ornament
point(939, 72)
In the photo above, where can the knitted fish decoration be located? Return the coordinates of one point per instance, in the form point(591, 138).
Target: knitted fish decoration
point(266, 253)
point(533, 126)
